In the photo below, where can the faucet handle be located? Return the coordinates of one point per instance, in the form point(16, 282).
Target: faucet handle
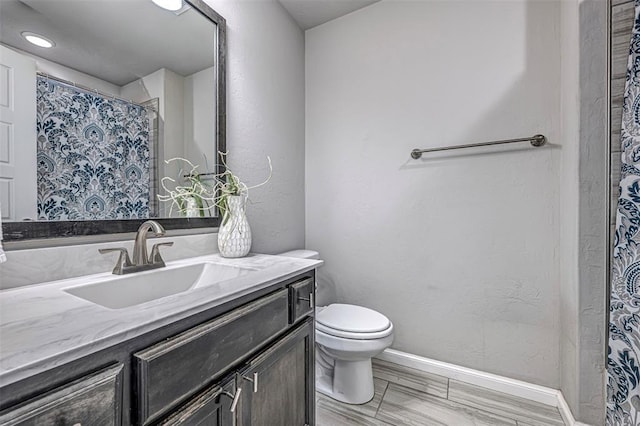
point(155, 257)
point(123, 259)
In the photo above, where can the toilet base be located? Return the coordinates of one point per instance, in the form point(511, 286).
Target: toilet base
point(352, 382)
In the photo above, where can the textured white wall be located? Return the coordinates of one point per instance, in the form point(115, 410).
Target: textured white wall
point(172, 126)
point(69, 74)
point(199, 129)
point(265, 117)
point(569, 199)
point(593, 220)
point(460, 250)
point(583, 210)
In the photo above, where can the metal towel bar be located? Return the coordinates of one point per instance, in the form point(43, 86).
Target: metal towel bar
point(536, 141)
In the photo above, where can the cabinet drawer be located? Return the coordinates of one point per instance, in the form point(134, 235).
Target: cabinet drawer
point(91, 400)
point(301, 299)
point(171, 371)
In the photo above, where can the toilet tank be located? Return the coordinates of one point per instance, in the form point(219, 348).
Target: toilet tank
point(302, 254)
point(326, 288)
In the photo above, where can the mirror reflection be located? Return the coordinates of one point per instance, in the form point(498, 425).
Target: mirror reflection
point(95, 96)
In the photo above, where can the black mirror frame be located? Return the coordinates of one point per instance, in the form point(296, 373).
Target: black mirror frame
point(28, 230)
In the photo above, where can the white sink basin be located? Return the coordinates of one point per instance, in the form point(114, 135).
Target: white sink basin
point(121, 291)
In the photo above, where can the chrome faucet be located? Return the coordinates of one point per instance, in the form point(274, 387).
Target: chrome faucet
point(140, 256)
point(141, 261)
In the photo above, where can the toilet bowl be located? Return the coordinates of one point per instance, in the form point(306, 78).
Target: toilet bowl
point(347, 337)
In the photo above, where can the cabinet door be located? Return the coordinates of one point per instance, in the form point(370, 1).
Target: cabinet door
point(209, 408)
point(278, 385)
point(93, 400)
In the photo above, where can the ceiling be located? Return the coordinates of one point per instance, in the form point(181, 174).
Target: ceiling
point(121, 41)
point(311, 13)
point(116, 41)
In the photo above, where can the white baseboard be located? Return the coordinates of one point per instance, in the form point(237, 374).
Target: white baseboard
point(566, 413)
point(530, 391)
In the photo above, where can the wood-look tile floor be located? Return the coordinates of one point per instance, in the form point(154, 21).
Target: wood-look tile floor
point(404, 396)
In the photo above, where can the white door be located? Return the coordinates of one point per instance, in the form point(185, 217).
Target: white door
point(18, 199)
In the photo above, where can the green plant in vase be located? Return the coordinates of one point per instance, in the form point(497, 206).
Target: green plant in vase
point(223, 190)
point(234, 234)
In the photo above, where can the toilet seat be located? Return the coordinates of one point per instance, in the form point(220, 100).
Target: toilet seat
point(353, 322)
point(354, 336)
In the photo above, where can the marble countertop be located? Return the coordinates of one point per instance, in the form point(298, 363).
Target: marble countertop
point(42, 326)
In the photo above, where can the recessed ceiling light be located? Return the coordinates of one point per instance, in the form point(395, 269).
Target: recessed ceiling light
point(37, 39)
point(171, 5)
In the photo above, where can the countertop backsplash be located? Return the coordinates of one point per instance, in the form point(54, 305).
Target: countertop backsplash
point(31, 266)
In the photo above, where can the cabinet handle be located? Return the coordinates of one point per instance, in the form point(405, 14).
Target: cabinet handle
point(254, 381)
point(310, 299)
point(235, 398)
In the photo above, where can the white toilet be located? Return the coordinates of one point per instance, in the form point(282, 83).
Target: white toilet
point(347, 337)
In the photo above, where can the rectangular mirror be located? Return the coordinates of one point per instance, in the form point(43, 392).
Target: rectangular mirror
point(105, 107)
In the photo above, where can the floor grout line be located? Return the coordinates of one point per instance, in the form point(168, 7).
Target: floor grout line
point(375, 416)
point(448, 385)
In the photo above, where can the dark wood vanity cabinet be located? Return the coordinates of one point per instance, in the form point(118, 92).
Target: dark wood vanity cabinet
point(252, 364)
point(275, 388)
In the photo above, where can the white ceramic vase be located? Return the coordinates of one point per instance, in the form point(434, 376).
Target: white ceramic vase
point(234, 235)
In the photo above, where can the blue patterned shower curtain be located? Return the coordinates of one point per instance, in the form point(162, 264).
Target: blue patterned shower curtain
point(93, 155)
point(623, 369)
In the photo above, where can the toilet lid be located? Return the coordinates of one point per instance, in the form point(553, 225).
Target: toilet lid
point(353, 319)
